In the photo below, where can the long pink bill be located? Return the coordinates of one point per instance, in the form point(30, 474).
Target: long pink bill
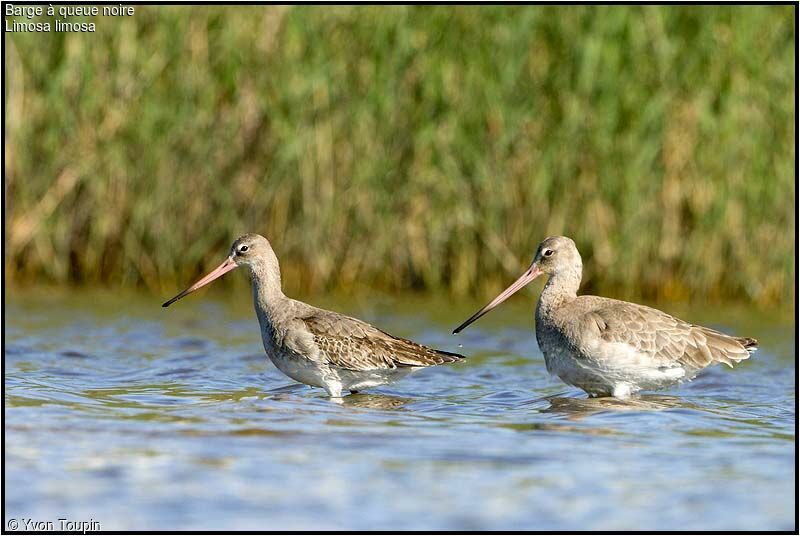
point(532, 273)
point(217, 272)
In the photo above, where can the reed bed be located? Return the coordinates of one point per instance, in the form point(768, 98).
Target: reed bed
point(406, 148)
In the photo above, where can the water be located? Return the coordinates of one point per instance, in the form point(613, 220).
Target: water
point(136, 417)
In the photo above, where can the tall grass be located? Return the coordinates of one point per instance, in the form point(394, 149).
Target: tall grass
point(409, 147)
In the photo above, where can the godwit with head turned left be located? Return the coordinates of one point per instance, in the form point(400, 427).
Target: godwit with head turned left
point(314, 346)
point(611, 347)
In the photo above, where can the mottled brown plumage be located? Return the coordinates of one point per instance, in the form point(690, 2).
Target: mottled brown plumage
point(352, 344)
point(314, 346)
point(606, 346)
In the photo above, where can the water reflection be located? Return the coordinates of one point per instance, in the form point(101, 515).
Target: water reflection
point(577, 408)
point(373, 401)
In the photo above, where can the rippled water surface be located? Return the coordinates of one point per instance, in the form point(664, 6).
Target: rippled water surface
point(138, 417)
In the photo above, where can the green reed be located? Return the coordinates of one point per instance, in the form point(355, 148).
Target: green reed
point(409, 147)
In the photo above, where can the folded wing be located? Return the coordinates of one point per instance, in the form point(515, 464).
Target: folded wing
point(666, 339)
point(349, 343)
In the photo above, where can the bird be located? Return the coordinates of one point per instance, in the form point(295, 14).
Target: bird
point(608, 347)
point(314, 346)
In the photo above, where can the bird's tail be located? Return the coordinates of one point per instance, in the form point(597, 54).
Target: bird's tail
point(449, 357)
point(749, 343)
point(726, 349)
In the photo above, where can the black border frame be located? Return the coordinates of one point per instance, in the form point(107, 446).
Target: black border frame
point(4, 530)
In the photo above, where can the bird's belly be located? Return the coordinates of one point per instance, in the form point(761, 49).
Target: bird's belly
point(301, 370)
point(618, 371)
point(562, 363)
point(326, 376)
point(363, 379)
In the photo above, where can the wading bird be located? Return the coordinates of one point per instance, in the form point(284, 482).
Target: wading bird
point(611, 347)
point(314, 346)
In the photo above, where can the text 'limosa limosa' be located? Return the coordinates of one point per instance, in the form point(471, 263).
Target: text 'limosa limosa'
point(314, 346)
point(611, 347)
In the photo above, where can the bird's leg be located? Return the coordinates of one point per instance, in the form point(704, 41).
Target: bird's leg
point(334, 390)
point(622, 390)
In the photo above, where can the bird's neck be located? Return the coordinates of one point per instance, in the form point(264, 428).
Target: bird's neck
point(268, 297)
point(560, 289)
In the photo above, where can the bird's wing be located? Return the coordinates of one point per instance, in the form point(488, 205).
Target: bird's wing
point(349, 343)
point(664, 338)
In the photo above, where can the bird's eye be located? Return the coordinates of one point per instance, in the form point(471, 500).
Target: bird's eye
point(548, 252)
point(243, 249)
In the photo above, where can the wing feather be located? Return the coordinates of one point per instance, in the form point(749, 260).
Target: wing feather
point(349, 343)
point(666, 339)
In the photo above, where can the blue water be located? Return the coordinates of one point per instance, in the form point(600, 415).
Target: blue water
point(135, 417)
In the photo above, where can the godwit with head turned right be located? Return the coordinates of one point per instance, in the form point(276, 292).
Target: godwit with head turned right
point(314, 346)
point(611, 347)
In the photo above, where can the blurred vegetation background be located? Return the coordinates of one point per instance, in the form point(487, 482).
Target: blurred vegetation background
point(419, 147)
